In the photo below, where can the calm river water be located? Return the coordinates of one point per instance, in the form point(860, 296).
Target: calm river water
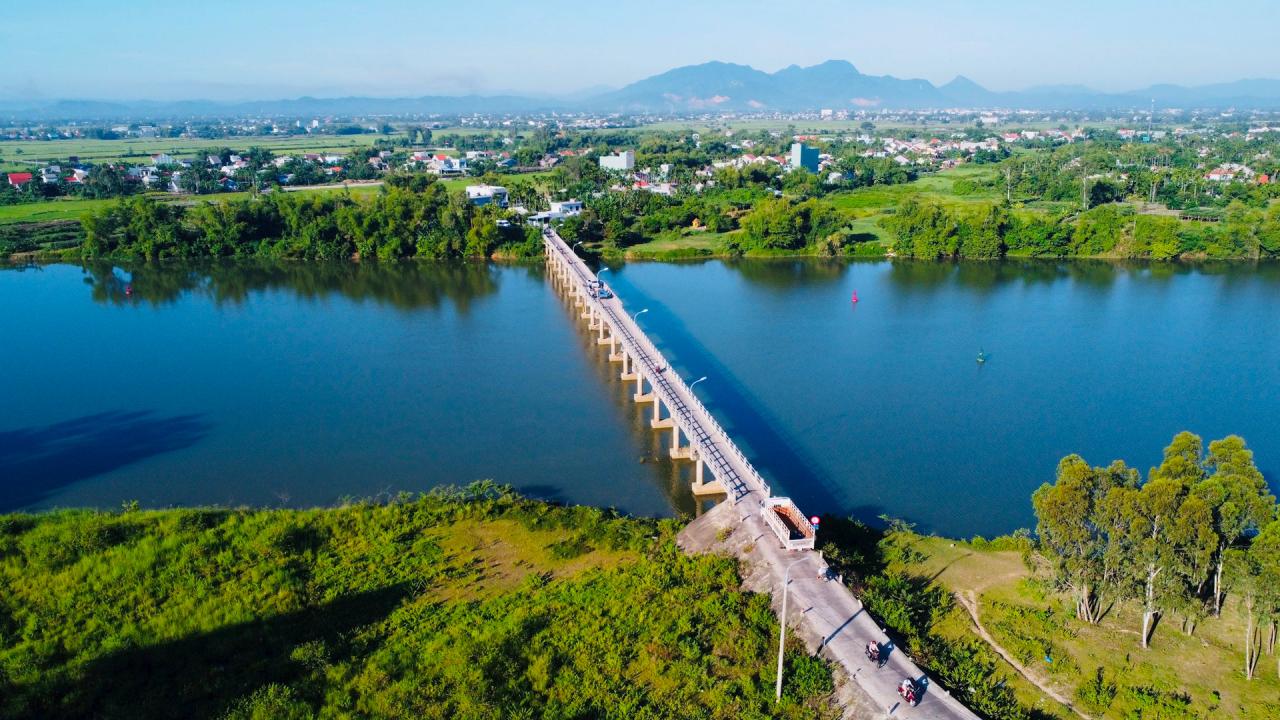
point(303, 384)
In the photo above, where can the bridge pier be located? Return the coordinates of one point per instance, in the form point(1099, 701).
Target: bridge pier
point(678, 452)
point(628, 373)
point(658, 422)
point(700, 487)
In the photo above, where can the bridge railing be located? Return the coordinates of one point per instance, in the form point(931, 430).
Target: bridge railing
point(656, 364)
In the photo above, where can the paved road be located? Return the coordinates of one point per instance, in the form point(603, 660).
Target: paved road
point(823, 612)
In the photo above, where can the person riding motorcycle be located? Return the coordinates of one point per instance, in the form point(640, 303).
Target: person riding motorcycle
point(873, 651)
point(908, 691)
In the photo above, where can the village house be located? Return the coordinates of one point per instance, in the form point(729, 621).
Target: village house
point(1229, 172)
point(481, 195)
point(17, 180)
point(619, 161)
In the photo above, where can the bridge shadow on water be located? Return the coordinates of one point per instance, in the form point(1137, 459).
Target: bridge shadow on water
point(36, 462)
point(779, 458)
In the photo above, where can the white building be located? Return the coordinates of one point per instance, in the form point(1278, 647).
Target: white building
point(487, 194)
point(621, 161)
point(565, 208)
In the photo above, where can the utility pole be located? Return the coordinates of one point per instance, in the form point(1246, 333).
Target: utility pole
point(1008, 184)
point(1084, 193)
point(782, 633)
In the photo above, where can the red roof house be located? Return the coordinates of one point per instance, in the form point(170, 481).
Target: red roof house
point(19, 179)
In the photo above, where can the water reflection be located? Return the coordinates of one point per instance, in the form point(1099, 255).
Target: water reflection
point(403, 285)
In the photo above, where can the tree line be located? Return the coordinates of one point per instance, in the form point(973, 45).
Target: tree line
point(1199, 526)
point(928, 229)
point(401, 222)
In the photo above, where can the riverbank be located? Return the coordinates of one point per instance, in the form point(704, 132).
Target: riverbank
point(457, 604)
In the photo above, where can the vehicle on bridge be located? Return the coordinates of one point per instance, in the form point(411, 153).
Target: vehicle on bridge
point(597, 289)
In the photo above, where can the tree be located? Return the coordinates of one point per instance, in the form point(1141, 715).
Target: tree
point(1067, 514)
point(1161, 532)
point(1265, 554)
point(1237, 495)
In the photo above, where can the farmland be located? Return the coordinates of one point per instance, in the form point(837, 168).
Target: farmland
point(24, 154)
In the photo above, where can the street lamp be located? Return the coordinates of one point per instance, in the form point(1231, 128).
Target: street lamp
point(695, 382)
point(636, 318)
point(782, 632)
point(575, 247)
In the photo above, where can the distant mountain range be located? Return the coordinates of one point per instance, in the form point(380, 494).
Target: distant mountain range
point(712, 86)
point(837, 84)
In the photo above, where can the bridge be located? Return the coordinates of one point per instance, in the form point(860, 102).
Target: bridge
point(695, 434)
point(823, 610)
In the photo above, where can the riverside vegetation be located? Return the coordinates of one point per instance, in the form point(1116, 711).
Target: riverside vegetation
point(479, 603)
point(472, 603)
point(417, 217)
point(1189, 558)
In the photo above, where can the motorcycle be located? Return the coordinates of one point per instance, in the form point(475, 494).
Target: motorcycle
point(873, 652)
point(909, 691)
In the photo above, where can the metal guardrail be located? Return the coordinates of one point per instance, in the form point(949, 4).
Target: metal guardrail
point(705, 433)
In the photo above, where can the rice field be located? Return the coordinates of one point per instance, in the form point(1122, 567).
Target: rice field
point(20, 153)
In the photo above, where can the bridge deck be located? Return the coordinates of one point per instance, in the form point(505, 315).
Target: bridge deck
point(712, 443)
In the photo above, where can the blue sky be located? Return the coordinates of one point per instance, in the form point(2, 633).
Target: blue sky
point(240, 49)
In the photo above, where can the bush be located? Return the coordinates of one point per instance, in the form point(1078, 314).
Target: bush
point(1097, 693)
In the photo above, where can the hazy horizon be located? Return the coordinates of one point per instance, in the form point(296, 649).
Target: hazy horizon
point(239, 50)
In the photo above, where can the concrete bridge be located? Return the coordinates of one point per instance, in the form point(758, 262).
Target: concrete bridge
point(827, 616)
point(720, 468)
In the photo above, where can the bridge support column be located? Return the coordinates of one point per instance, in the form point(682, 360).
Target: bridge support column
point(641, 395)
point(677, 452)
point(701, 488)
point(628, 365)
point(659, 422)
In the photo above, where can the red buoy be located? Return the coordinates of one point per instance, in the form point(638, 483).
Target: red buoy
point(855, 296)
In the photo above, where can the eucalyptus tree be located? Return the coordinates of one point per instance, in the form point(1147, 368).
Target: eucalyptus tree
point(1068, 526)
point(1161, 532)
point(1237, 494)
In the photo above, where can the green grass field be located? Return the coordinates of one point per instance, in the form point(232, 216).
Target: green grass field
point(74, 209)
point(61, 209)
point(1026, 617)
point(26, 153)
point(466, 609)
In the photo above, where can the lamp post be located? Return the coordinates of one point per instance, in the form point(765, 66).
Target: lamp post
point(782, 631)
point(575, 247)
point(636, 318)
point(695, 382)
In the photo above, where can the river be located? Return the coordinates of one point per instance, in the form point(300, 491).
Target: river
point(300, 384)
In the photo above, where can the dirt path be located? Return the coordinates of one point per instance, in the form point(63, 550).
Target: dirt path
point(970, 603)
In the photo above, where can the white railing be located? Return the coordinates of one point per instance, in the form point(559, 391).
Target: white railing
point(769, 511)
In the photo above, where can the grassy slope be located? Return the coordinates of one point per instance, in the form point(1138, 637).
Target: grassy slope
point(482, 607)
point(1026, 618)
